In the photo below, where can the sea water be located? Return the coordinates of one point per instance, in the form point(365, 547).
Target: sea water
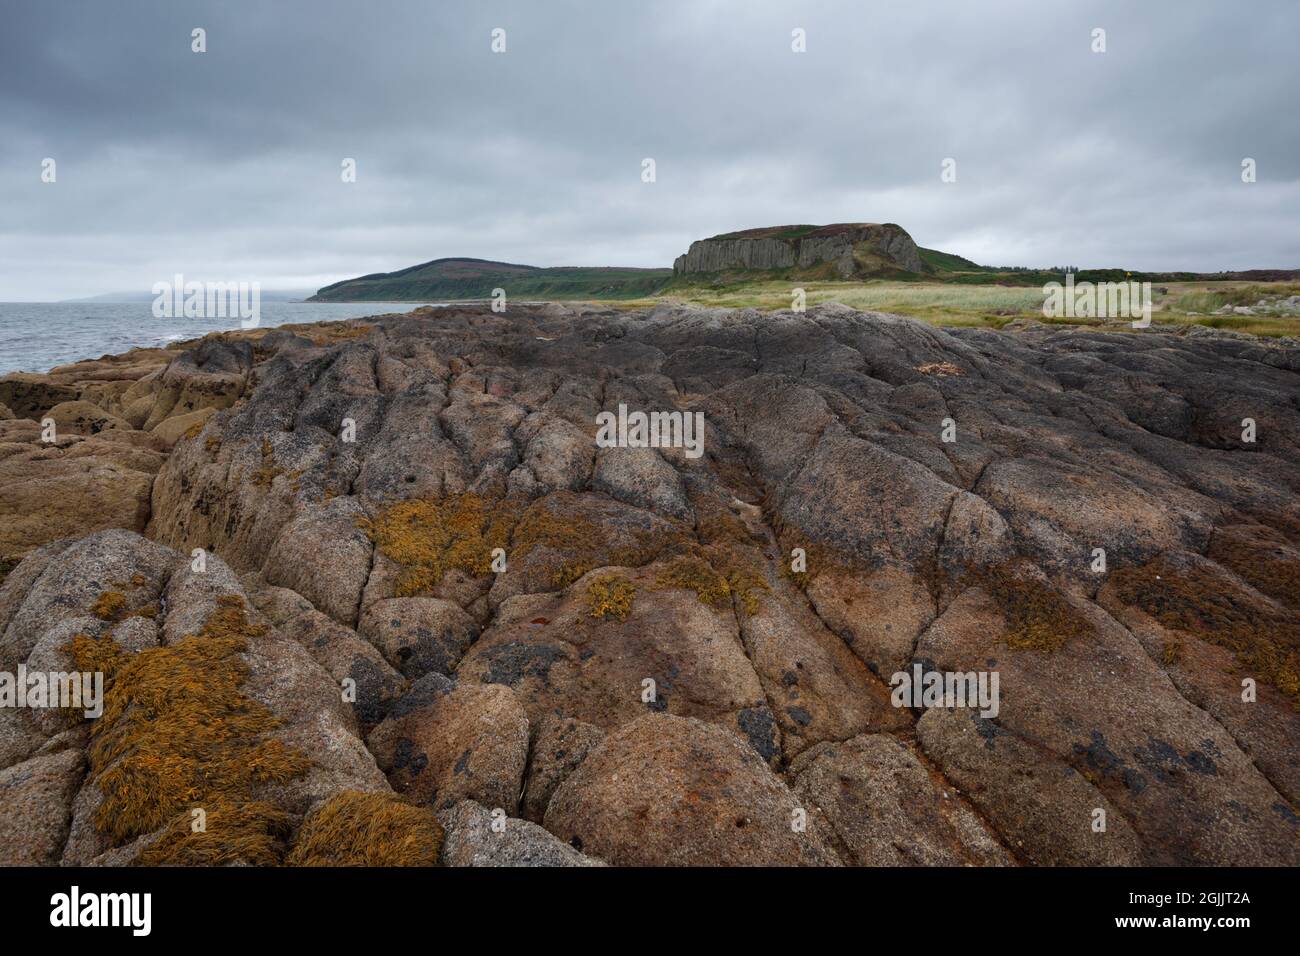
point(37, 336)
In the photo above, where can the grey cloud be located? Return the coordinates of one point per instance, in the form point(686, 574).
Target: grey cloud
point(226, 164)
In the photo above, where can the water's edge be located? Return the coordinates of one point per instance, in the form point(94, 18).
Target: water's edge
point(39, 336)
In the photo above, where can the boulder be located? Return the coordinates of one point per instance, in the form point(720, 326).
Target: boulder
point(30, 395)
point(45, 498)
point(574, 655)
point(419, 635)
point(173, 429)
point(886, 808)
point(664, 790)
point(325, 557)
point(817, 688)
point(443, 743)
point(82, 418)
point(347, 657)
point(35, 805)
point(559, 745)
point(472, 840)
point(641, 477)
point(1094, 703)
point(73, 584)
point(1043, 807)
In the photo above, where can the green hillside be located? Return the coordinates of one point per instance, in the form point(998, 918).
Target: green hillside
point(940, 262)
point(445, 280)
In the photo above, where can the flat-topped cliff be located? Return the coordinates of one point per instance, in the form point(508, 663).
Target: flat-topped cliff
point(855, 250)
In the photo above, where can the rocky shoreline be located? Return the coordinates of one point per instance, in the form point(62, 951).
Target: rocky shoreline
point(368, 592)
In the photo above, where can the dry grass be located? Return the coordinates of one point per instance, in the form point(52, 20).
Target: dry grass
point(943, 303)
point(988, 306)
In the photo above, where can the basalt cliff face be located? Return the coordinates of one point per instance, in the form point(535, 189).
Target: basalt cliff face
point(383, 583)
point(854, 250)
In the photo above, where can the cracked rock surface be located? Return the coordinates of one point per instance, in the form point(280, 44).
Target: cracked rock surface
point(443, 588)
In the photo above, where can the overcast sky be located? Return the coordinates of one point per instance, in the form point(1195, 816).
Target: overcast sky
point(226, 165)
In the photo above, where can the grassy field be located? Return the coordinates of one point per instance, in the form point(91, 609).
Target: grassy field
point(993, 306)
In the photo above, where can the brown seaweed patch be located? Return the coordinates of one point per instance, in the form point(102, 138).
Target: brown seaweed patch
point(109, 606)
point(254, 833)
point(584, 544)
point(95, 655)
point(715, 574)
point(611, 596)
point(367, 829)
point(112, 606)
point(177, 732)
point(1264, 560)
point(694, 574)
point(1038, 617)
point(429, 537)
point(729, 550)
point(268, 470)
point(938, 368)
point(1264, 641)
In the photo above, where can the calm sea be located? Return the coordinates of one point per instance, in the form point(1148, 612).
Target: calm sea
point(36, 336)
